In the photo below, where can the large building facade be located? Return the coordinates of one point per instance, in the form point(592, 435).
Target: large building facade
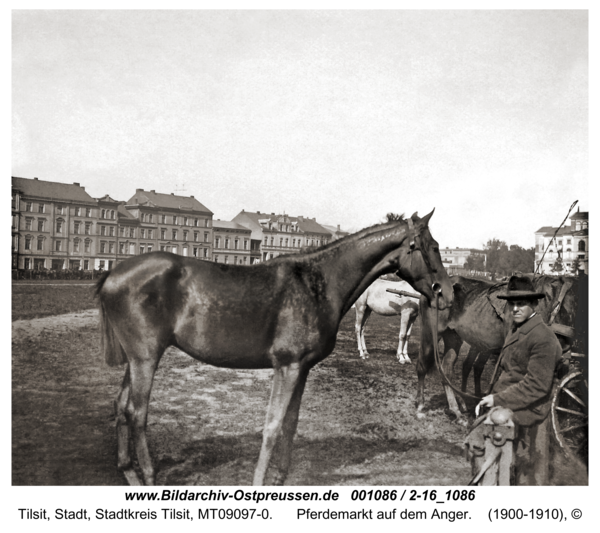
point(564, 251)
point(59, 226)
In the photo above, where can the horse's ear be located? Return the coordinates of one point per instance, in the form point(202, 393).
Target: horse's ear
point(425, 219)
point(415, 215)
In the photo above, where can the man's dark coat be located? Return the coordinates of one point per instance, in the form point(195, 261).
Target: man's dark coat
point(529, 357)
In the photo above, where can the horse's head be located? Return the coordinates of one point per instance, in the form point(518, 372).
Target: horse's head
point(420, 263)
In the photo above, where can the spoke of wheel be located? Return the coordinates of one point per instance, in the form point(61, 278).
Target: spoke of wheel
point(570, 411)
point(572, 428)
point(572, 395)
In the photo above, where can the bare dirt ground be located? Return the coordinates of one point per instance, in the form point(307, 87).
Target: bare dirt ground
point(357, 421)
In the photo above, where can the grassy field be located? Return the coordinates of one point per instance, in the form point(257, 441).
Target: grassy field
point(44, 298)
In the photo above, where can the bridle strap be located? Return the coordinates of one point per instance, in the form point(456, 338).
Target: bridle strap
point(563, 291)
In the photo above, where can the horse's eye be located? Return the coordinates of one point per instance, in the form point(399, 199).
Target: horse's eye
point(436, 249)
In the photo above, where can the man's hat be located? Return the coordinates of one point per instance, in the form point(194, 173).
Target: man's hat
point(520, 288)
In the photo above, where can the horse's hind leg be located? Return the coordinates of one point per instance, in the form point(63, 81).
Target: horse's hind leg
point(124, 463)
point(288, 381)
point(467, 367)
point(362, 315)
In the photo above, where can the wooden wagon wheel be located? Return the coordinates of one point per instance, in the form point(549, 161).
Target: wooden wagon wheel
point(570, 415)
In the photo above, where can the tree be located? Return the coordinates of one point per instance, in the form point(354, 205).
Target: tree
point(475, 262)
point(576, 266)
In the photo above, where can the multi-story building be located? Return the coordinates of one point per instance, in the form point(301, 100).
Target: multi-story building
point(54, 225)
point(283, 234)
point(336, 232)
point(568, 246)
point(172, 223)
point(232, 243)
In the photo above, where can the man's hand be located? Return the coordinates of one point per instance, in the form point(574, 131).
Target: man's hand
point(486, 401)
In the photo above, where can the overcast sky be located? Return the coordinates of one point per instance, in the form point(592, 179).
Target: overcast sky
point(339, 115)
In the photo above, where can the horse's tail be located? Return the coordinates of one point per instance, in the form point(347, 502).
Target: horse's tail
point(114, 355)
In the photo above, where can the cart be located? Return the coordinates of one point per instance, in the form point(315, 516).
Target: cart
point(569, 411)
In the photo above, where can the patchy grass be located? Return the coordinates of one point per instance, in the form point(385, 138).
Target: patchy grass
point(39, 299)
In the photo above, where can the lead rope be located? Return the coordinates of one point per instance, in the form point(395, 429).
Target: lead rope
point(436, 352)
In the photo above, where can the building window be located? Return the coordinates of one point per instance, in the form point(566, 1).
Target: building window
point(205, 252)
point(122, 231)
point(111, 231)
point(163, 219)
point(40, 243)
point(41, 225)
point(103, 213)
point(58, 246)
point(28, 206)
point(185, 221)
point(206, 237)
point(226, 244)
point(132, 233)
point(59, 226)
point(163, 234)
point(111, 247)
point(226, 259)
point(102, 247)
point(78, 211)
point(150, 233)
point(121, 247)
point(217, 242)
point(86, 264)
point(27, 263)
point(143, 233)
point(236, 244)
point(581, 246)
point(196, 236)
point(28, 240)
point(76, 245)
point(196, 222)
point(568, 241)
point(41, 208)
point(28, 223)
point(245, 244)
point(216, 258)
point(76, 226)
point(88, 212)
point(141, 249)
point(88, 228)
point(149, 248)
point(101, 264)
point(174, 220)
point(131, 248)
point(87, 245)
point(150, 217)
point(174, 232)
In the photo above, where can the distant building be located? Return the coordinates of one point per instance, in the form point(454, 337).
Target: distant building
point(571, 245)
point(172, 223)
point(454, 259)
point(53, 225)
point(283, 234)
point(232, 243)
point(336, 232)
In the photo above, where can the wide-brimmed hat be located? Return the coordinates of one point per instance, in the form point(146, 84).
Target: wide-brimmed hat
point(520, 288)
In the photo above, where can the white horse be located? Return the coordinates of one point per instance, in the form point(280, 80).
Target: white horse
point(376, 298)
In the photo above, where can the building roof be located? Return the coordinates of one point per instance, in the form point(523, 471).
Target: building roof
point(305, 225)
point(52, 190)
point(580, 215)
point(124, 214)
point(224, 224)
point(548, 231)
point(167, 201)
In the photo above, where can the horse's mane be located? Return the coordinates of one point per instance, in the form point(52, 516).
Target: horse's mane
point(329, 247)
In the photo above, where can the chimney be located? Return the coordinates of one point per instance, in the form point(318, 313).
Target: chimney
point(75, 183)
point(258, 212)
point(153, 191)
point(339, 228)
point(273, 214)
point(172, 194)
point(192, 196)
point(139, 190)
point(36, 179)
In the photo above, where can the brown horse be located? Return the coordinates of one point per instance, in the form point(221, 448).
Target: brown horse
point(283, 314)
point(480, 319)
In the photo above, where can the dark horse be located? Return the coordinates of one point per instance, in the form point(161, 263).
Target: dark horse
point(480, 319)
point(283, 314)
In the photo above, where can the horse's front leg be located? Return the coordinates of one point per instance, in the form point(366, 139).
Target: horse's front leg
point(285, 382)
point(283, 449)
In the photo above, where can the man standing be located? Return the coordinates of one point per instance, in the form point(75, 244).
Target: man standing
point(529, 356)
